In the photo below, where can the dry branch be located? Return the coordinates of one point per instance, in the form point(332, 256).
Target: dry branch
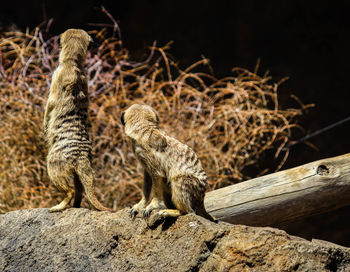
point(230, 122)
point(313, 188)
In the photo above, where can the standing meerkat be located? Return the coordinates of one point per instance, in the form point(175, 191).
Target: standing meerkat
point(173, 175)
point(66, 124)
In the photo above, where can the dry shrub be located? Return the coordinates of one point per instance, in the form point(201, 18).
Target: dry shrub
point(229, 122)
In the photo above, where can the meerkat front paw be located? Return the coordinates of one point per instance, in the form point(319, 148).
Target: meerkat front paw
point(137, 208)
point(154, 205)
point(147, 212)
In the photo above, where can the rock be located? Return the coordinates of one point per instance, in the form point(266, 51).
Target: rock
point(84, 240)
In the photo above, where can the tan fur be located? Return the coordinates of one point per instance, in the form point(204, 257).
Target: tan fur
point(174, 179)
point(66, 124)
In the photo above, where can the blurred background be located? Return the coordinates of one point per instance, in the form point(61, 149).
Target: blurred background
point(307, 41)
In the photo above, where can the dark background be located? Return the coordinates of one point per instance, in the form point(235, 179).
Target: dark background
point(308, 41)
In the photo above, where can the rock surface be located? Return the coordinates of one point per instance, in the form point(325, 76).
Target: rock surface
point(84, 240)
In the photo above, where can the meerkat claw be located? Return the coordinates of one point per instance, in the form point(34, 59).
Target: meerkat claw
point(133, 214)
point(146, 213)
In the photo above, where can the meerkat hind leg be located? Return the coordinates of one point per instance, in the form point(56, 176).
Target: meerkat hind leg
point(61, 206)
point(169, 213)
point(61, 182)
point(180, 203)
point(162, 215)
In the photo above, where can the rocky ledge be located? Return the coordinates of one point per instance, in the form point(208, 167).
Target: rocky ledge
point(84, 240)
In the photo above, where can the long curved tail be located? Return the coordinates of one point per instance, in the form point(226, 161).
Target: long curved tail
point(86, 176)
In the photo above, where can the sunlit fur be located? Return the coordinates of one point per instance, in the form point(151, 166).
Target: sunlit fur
point(66, 124)
point(174, 179)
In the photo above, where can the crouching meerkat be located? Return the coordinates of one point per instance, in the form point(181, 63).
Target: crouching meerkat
point(66, 124)
point(174, 179)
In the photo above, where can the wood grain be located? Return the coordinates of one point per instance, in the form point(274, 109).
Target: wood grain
point(285, 196)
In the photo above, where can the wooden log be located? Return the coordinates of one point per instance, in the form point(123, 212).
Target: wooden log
point(285, 196)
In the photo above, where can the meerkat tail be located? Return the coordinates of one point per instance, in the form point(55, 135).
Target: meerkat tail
point(90, 194)
point(86, 177)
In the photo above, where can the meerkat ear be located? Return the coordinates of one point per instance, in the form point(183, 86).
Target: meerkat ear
point(93, 45)
point(122, 119)
point(91, 42)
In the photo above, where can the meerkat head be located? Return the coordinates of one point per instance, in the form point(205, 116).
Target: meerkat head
point(74, 45)
point(138, 113)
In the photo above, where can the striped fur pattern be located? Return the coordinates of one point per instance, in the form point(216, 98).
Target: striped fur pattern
point(66, 124)
point(174, 179)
